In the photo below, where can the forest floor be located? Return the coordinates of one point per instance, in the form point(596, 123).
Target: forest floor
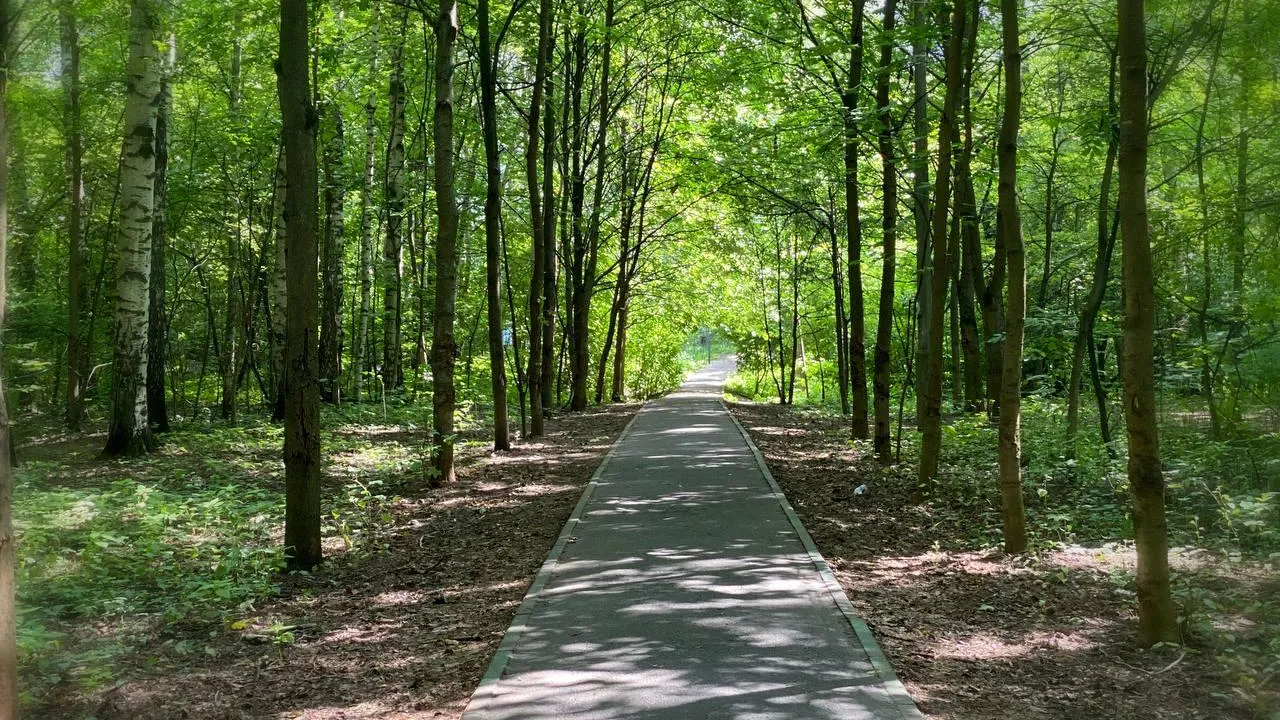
point(400, 622)
point(975, 634)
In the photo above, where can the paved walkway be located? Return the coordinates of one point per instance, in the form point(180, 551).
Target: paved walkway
point(684, 587)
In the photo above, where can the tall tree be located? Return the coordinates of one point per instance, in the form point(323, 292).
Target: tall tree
point(129, 432)
point(537, 229)
point(931, 419)
point(1157, 618)
point(920, 191)
point(443, 345)
point(360, 356)
point(157, 322)
point(853, 225)
point(8, 540)
point(77, 249)
point(392, 367)
point(302, 392)
point(883, 367)
point(332, 259)
point(232, 325)
point(493, 227)
point(1009, 223)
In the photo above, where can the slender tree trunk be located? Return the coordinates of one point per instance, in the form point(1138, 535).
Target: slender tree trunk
point(931, 420)
point(551, 259)
point(330, 368)
point(361, 360)
point(920, 194)
point(1106, 234)
point(278, 287)
point(970, 250)
point(493, 229)
point(537, 225)
point(1157, 618)
point(157, 322)
point(443, 345)
point(842, 326)
point(857, 360)
point(1010, 226)
point(8, 539)
point(392, 366)
point(129, 433)
point(883, 366)
point(231, 345)
point(77, 249)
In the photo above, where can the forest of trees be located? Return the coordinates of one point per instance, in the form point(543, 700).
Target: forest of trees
point(494, 212)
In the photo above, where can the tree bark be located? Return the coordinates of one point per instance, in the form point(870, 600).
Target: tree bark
point(8, 539)
point(77, 249)
point(493, 229)
point(364, 323)
point(883, 367)
point(231, 327)
point(392, 366)
point(157, 322)
point(931, 420)
point(920, 194)
point(129, 432)
point(302, 392)
point(857, 360)
point(443, 345)
point(330, 367)
point(1157, 618)
point(537, 225)
point(1010, 226)
point(278, 289)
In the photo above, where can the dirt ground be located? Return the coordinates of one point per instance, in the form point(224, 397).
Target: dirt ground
point(978, 635)
point(405, 632)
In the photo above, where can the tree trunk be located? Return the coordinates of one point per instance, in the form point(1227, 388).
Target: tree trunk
point(1010, 226)
point(920, 194)
point(537, 225)
point(392, 368)
point(330, 367)
point(8, 540)
point(129, 432)
point(889, 227)
point(279, 287)
point(551, 259)
point(157, 322)
point(1157, 618)
point(1106, 234)
point(443, 345)
point(857, 359)
point(493, 229)
point(231, 345)
point(365, 322)
point(931, 420)
point(302, 392)
point(77, 249)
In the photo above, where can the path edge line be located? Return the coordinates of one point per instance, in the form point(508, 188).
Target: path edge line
point(511, 638)
point(893, 686)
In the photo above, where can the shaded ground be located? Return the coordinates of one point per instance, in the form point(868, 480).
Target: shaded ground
point(401, 627)
point(976, 635)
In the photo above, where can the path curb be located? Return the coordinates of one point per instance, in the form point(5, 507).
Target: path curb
point(893, 686)
point(502, 656)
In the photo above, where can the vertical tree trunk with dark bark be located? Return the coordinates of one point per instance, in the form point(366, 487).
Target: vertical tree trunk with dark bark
point(77, 249)
point(1157, 618)
point(302, 392)
point(330, 368)
point(278, 287)
point(537, 228)
point(1010, 226)
point(857, 360)
point(883, 366)
point(931, 420)
point(920, 193)
point(157, 323)
point(392, 367)
point(8, 539)
point(493, 229)
point(129, 433)
point(443, 345)
point(551, 259)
